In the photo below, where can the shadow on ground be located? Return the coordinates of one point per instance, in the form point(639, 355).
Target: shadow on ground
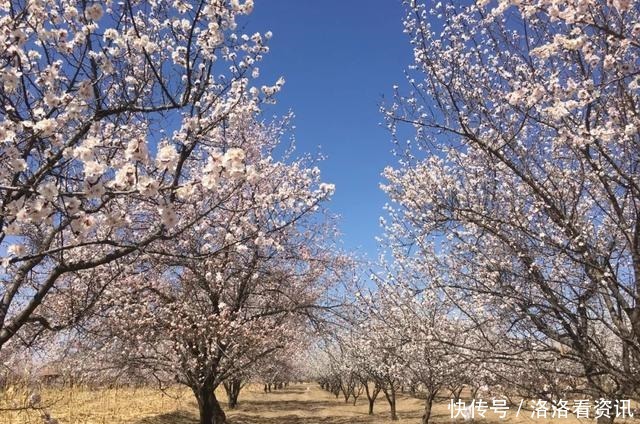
point(270, 405)
point(241, 418)
point(295, 419)
point(177, 417)
point(288, 390)
point(272, 410)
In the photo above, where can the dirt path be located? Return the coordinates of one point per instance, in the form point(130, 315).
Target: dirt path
point(298, 404)
point(307, 404)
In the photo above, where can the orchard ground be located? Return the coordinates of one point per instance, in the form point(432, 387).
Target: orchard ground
point(298, 404)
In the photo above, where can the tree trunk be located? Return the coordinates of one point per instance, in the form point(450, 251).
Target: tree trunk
point(345, 393)
point(474, 392)
point(355, 397)
point(391, 398)
point(233, 387)
point(428, 404)
point(208, 406)
point(455, 393)
point(412, 390)
point(371, 395)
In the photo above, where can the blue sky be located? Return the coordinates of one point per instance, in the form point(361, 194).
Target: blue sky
point(339, 58)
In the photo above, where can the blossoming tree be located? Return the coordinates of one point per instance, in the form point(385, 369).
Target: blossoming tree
point(521, 186)
point(113, 124)
point(234, 290)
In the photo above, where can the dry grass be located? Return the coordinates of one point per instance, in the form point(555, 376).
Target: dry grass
point(298, 404)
